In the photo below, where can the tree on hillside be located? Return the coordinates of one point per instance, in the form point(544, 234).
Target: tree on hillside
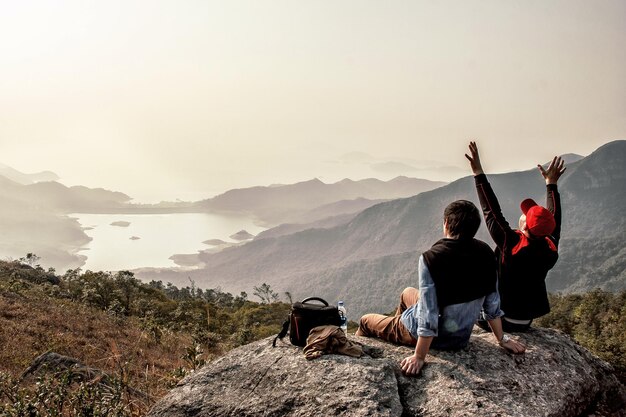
point(289, 297)
point(266, 294)
point(30, 259)
point(127, 285)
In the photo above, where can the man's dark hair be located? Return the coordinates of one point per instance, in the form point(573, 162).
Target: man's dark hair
point(462, 219)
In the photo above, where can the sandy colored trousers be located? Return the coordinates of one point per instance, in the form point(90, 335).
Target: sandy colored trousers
point(390, 328)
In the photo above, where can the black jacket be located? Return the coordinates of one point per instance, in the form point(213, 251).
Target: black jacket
point(462, 270)
point(522, 263)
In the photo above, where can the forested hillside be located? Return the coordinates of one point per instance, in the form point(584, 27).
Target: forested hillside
point(596, 319)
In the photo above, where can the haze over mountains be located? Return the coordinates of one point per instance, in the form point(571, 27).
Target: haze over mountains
point(367, 260)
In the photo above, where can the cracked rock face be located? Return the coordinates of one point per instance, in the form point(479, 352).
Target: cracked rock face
point(555, 377)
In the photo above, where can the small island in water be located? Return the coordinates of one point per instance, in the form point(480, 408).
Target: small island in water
point(214, 242)
point(120, 223)
point(242, 235)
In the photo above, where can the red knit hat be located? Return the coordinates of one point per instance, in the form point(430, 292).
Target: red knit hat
point(539, 220)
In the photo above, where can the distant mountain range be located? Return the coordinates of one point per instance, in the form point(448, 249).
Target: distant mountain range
point(56, 197)
point(313, 200)
point(323, 217)
point(370, 258)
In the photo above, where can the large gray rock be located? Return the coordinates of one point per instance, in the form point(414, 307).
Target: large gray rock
point(555, 377)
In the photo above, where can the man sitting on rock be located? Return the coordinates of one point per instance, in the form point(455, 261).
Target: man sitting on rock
point(457, 278)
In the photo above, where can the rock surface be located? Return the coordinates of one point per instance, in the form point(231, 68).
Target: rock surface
point(555, 377)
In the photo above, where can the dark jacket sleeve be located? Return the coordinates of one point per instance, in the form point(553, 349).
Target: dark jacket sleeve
point(553, 203)
point(498, 227)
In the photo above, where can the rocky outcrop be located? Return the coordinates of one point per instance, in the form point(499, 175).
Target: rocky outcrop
point(555, 377)
point(55, 364)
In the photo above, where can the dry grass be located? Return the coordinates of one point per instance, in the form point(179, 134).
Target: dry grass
point(32, 323)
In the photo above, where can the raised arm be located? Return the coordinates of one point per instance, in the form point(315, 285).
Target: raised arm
point(499, 229)
point(555, 169)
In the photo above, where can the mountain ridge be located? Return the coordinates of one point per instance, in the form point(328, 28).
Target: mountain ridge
point(284, 203)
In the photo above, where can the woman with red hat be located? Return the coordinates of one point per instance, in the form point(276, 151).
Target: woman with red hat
point(527, 254)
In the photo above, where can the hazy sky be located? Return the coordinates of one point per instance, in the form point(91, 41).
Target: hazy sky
point(186, 99)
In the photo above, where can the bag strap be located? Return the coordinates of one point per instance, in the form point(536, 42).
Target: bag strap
point(282, 333)
point(315, 299)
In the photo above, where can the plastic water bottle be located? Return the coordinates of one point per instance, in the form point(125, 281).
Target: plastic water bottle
point(343, 317)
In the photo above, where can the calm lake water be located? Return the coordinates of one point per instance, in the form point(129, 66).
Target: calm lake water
point(160, 236)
